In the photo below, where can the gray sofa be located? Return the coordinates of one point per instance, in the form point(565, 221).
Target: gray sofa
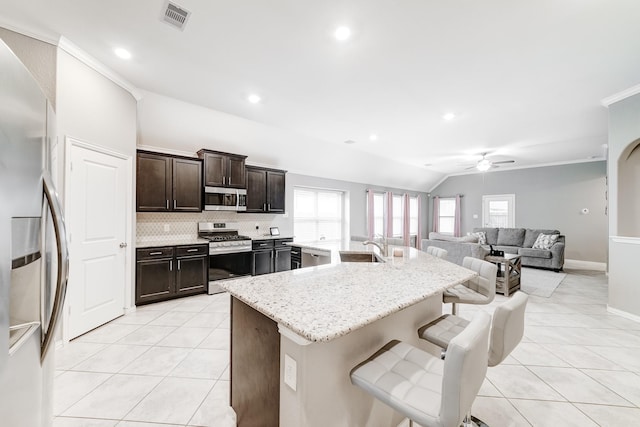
point(456, 249)
point(510, 240)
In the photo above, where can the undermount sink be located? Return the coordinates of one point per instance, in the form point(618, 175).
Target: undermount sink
point(351, 256)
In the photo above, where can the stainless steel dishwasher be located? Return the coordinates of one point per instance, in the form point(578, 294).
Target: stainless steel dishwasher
point(313, 257)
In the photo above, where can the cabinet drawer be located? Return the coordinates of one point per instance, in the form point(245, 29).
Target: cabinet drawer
point(261, 244)
point(192, 250)
point(282, 243)
point(154, 253)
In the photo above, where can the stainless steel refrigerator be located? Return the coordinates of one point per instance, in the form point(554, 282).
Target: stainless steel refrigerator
point(33, 250)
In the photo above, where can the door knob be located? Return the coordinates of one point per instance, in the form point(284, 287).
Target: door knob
point(123, 245)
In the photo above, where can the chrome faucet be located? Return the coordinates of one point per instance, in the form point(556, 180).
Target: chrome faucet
point(384, 248)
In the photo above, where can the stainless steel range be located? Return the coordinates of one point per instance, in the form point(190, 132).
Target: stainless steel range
point(229, 253)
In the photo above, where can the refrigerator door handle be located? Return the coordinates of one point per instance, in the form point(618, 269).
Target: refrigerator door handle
point(63, 260)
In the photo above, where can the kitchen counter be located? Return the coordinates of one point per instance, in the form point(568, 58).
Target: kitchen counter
point(296, 335)
point(270, 237)
point(326, 302)
point(172, 241)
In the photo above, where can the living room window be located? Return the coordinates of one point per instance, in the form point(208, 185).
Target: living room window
point(499, 210)
point(398, 215)
point(318, 214)
point(378, 214)
point(446, 215)
point(413, 215)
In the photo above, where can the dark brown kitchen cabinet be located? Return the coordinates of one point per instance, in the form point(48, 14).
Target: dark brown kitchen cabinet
point(170, 272)
point(168, 183)
point(223, 169)
point(271, 256)
point(265, 190)
point(154, 274)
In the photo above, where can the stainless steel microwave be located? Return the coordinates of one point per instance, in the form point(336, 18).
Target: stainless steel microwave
point(225, 199)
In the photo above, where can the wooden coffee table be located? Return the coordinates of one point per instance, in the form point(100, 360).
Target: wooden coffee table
point(508, 279)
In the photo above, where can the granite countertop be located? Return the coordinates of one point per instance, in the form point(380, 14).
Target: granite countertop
point(269, 237)
point(326, 302)
point(170, 241)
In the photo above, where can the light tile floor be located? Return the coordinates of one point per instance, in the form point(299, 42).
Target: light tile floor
point(167, 365)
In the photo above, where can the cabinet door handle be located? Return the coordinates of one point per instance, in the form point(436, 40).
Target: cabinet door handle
point(223, 180)
point(192, 250)
point(178, 264)
point(263, 244)
point(174, 204)
point(155, 253)
point(167, 204)
point(276, 254)
point(264, 207)
point(295, 253)
point(268, 206)
point(229, 180)
point(170, 265)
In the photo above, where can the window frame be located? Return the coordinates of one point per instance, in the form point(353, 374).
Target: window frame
point(316, 219)
point(452, 216)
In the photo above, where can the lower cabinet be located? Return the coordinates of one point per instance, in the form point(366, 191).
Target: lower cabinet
point(271, 256)
point(171, 271)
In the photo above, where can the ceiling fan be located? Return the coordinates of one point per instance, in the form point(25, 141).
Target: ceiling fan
point(485, 164)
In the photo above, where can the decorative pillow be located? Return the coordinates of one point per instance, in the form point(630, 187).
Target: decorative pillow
point(545, 241)
point(481, 235)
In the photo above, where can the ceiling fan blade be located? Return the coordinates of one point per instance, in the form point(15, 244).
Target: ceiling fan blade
point(470, 167)
point(503, 162)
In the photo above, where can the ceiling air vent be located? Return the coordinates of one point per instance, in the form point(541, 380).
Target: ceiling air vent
point(175, 15)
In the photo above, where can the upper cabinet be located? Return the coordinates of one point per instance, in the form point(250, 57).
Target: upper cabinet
point(167, 183)
point(223, 169)
point(265, 190)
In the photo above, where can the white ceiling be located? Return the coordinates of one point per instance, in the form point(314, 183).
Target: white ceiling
point(525, 78)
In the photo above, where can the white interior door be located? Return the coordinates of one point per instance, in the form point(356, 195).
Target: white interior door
point(97, 223)
point(499, 210)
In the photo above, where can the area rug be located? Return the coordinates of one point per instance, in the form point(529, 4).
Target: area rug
point(541, 283)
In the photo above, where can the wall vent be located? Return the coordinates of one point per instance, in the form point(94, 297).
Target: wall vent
point(175, 15)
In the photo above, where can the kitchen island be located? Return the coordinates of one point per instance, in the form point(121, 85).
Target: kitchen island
point(296, 335)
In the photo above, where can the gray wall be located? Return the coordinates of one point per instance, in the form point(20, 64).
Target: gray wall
point(546, 197)
point(624, 191)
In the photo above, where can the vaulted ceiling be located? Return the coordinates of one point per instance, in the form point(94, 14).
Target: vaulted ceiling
point(524, 80)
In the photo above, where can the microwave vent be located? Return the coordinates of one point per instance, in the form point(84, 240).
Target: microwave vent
point(175, 15)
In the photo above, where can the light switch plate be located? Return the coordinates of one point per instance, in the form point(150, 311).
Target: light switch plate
point(290, 371)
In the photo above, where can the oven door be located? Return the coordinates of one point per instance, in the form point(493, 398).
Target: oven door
point(220, 199)
point(228, 266)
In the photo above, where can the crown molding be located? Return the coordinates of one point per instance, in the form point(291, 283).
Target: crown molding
point(634, 90)
point(73, 50)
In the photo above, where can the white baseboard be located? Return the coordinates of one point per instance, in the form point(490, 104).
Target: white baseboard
point(585, 265)
point(129, 310)
point(404, 423)
point(624, 314)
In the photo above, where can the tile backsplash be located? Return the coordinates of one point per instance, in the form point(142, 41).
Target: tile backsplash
point(177, 225)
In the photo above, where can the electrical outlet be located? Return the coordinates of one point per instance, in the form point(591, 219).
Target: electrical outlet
point(290, 371)
point(167, 228)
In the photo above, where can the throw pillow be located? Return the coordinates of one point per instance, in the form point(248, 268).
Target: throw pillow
point(545, 241)
point(481, 235)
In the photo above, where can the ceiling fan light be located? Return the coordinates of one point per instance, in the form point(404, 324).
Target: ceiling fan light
point(483, 165)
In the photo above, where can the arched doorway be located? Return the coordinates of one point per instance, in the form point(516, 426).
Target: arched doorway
point(629, 191)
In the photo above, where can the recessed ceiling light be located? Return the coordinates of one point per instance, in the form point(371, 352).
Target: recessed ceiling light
point(254, 99)
point(373, 137)
point(342, 33)
point(122, 53)
point(449, 116)
point(427, 164)
point(349, 141)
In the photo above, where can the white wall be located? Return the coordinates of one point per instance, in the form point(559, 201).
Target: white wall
point(39, 57)
point(172, 124)
point(93, 109)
